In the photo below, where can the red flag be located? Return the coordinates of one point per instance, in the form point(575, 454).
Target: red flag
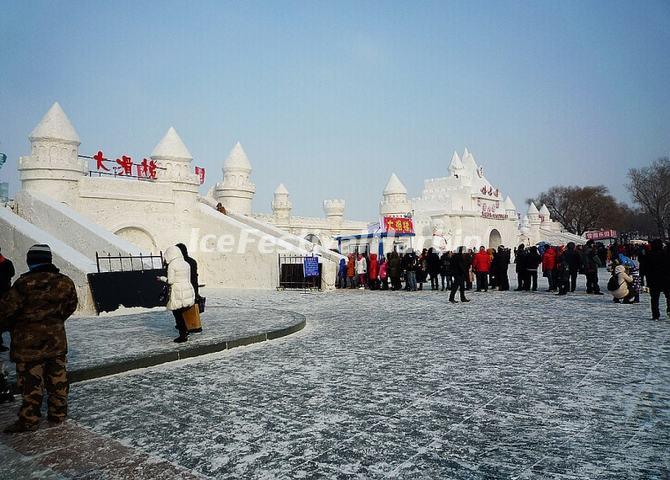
point(200, 172)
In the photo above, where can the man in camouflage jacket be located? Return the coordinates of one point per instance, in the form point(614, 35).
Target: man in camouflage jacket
point(34, 311)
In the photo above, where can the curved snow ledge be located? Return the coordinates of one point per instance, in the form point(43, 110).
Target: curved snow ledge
point(185, 351)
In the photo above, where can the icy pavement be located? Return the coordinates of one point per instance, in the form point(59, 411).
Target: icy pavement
point(398, 385)
point(97, 341)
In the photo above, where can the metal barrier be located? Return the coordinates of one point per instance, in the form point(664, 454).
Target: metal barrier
point(292, 273)
point(129, 281)
point(133, 262)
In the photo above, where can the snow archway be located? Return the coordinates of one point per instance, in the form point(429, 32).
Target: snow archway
point(495, 239)
point(313, 238)
point(138, 237)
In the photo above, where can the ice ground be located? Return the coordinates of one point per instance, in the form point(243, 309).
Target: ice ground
point(405, 385)
point(97, 341)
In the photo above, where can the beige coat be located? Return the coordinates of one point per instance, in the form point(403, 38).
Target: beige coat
point(622, 279)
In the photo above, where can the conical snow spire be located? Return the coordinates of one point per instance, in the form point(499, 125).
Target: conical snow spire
point(469, 161)
point(544, 210)
point(281, 190)
point(532, 209)
point(237, 159)
point(55, 126)
point(509, 204)
point(394, 186)
point(456, 163)
point(171, 147)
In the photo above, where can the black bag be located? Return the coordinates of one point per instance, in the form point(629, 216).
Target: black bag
point(613, 283)
point(201, 303)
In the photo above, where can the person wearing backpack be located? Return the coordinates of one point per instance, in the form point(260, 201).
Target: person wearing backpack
point(563, 272)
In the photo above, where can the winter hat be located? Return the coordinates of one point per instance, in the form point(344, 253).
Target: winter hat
point(38, 254)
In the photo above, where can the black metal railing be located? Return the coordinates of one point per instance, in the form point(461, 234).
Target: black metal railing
point(128, 263)
point(120, 175)
point(292, 273)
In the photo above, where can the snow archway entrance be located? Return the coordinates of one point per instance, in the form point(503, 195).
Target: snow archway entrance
point(138, 237)
point(313, 238)
point(494, 239)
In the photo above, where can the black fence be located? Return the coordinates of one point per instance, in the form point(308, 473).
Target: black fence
point(292, 273)
point(130, 262)
point(128, 281)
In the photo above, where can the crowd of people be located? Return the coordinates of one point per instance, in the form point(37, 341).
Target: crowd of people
point(486, 269)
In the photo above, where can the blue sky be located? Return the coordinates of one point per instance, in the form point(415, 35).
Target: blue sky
point(331, 97)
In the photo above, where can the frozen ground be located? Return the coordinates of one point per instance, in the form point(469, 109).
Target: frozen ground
point(388, 384)
point(96, 341)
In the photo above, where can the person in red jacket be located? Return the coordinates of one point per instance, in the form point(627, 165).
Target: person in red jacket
point(373, 272)
point(549, 267)
point(481, 264)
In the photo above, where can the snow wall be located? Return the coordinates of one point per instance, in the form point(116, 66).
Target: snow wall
point(251, 262)
point(289, 237)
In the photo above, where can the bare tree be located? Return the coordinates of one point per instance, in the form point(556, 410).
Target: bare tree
point(581, 209)
point(650, 188)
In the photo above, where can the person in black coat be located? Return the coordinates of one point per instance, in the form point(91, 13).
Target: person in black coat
point(532, 261)
point(591, 261)
point(642, 257)
point(658, 277)
point(563, 272)
point(501, 264)
point(459, 269)
point(434, 269)
point(445, 270)
point(521, 270)
point(574, 262)
point(6, 273)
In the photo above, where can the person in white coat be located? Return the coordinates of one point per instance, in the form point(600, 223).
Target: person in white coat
point(623, 292)
point(361, 271)
point(181, 295)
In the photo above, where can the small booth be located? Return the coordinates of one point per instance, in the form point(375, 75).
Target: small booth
point(391, 234)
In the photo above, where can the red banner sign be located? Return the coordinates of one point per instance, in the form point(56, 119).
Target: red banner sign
point(124, 166)
point(398, 225)
point(601, 235)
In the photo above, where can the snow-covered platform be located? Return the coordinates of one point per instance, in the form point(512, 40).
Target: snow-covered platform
point(387, 385)
point(106, 345)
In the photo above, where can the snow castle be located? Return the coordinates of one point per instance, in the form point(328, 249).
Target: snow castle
point(80, 214)
point(465, 209)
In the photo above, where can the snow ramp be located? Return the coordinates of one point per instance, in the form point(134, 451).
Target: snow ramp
point(17, 236)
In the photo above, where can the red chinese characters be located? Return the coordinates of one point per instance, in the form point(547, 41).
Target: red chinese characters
point(99, 159)
point(147, 169)
point(398, 225)
point(126, 164)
